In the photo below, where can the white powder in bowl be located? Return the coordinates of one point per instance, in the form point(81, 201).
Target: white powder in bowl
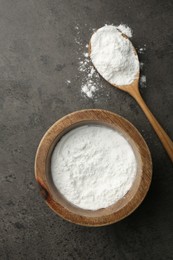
point(113, 56)
point(93, 166)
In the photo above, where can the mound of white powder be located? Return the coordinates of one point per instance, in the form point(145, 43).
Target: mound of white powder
point(113, 56)
point(93, 166)
point(125, 29)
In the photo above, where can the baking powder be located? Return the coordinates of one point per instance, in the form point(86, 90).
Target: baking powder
point(113, 56)
point(93, 166)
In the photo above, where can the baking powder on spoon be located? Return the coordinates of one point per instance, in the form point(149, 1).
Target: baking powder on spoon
point(113, 56)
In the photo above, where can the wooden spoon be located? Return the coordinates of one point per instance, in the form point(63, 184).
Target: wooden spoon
point(133, 90)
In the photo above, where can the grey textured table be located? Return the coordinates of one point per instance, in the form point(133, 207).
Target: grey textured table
point(37, 54)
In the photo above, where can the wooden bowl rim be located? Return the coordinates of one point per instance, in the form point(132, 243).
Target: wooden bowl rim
point(99, 116)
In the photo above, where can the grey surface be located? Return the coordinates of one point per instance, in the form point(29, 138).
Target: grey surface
point(37, 54)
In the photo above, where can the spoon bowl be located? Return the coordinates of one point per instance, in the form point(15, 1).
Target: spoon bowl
point(122, 87)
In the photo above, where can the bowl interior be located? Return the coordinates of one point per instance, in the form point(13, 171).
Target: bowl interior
point(119, 209)
point(57, 196)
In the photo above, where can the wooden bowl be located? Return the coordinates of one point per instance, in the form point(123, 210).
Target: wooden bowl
point(120, 209)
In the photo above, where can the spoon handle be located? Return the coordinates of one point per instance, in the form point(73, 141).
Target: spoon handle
point(164, 138)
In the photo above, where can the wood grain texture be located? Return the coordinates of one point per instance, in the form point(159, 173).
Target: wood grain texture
point(123, 207)
point(133, 90)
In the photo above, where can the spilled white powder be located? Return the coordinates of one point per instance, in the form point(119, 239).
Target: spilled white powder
point(68, 81)
point(142, 50)
point(93, 166)
point(89, 85)
point(143, 81)
point(89, 89)
point(113, 56)
point(91, 79)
